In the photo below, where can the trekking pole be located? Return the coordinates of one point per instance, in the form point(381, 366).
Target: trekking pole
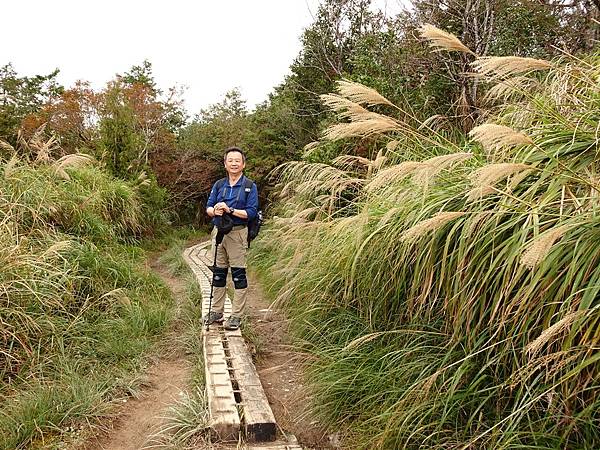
point(218, 240)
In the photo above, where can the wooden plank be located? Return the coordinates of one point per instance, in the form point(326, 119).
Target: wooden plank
point(223, 412)
point(259, 421)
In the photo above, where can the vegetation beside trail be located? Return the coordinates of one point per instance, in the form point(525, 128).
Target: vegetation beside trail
point(449, 291)
point(79, 309)
point(187, 424)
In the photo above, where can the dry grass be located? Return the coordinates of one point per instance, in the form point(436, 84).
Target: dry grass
point(432, 224)
point(434, 122)
point(495, 137)
point(442, 40)
point(361, 94)
point(393, 174)
point(346, 109)
point(485, 178)
point(507, 66)
point(540, 247)
point(377, 125)
point(552, 332)
point(346, 162)
point(74, 160)
point(506, 89)
point(433, 166)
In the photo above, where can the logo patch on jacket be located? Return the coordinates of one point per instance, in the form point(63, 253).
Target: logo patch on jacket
point(247, 189)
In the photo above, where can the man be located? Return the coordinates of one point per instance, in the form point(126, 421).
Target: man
point(231, 196)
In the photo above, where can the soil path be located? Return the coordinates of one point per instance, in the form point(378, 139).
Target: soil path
point(138, 420)
point(280, 368)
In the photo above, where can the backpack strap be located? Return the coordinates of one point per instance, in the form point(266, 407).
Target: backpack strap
point(219, 186)
point(248, 183)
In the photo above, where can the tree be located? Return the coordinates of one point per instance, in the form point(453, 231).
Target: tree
point(216, 127)
point(21, 96)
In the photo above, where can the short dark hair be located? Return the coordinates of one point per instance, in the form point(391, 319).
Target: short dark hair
point(234, 149)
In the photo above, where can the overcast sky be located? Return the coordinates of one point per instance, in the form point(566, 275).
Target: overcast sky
point(208, 46)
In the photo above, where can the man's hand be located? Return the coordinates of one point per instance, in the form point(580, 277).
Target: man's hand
point(221, 208)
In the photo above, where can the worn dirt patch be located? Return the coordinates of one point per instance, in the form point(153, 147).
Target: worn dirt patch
point(138, 420)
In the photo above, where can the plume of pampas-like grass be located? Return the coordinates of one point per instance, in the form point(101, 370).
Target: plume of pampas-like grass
point(428, 225)
point(393, 174)
point(74, 160)
point(392, 145)
point(552, 331)
point(376, 125)
point(505, 89)
point(308, 148)
point(346, 109)
point(359, 93)
point(346, 162)
point(494, 137)
point(442, 40)
point(506, 66)
point(433, 166)
point(541, 246)
point(486, 177)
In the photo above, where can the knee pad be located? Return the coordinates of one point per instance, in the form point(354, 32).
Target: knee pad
point(219, 276)
point(239, 277)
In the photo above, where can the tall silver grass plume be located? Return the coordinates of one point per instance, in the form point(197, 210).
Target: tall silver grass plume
point(393, 174)
point(515, 180)
point(494, 137)
point(349, 161)
point(311, 145)
point(505, 89)
point(143, 180)
point(506, 66)
point(75, 160)
point(6, 146)
point(433, 122)
point(551, 332)
point(56, 249)
point(388, 215)
point(381, 124)
point(537, 250)
point(11, 166)
point(492, 173)
point(442, 40)
point(347, 109)
point(359, 93)
point(379, 161)
point(435, 165)
point(475, 220)
point(486, 177)
point(432, 224)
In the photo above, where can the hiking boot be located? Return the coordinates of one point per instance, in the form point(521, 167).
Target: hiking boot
point(233, 323)
point(213, 317)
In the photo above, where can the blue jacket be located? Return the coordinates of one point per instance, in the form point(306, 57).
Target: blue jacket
point(235, 197)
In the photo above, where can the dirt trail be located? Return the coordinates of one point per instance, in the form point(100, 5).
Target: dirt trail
point(279, 367)
point(138, 420)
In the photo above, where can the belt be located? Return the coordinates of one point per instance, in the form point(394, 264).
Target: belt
point(239, 227)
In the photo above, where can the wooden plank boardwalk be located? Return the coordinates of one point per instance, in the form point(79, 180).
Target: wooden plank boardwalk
point(238, 406)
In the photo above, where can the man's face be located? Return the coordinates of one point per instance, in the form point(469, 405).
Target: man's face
point(234, 163)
